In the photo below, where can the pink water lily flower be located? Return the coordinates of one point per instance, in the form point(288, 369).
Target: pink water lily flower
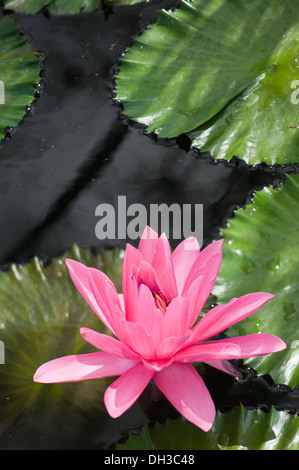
point(155, 333)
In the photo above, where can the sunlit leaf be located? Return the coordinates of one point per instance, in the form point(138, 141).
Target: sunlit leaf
point(19, 72)
point(40, 317)
point(237, 430)
point(61, 7)
point(261, 253)
point(224, 71)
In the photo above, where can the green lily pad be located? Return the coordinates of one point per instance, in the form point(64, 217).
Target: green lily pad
point(240, 429)
point(40, 317)
point(61, 7)
point(261, 253)
point(19, 72)
point(225, 72)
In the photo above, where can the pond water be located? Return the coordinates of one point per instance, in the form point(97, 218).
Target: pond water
point(75, 150)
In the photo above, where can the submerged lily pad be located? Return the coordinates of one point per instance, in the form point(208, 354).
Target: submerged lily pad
point(224, 71)
point(40, 317)
point(19, 72)
point(237, 430)
point(261, 253)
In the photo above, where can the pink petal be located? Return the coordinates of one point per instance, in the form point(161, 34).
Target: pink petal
point(121, 301)
point(171, 345)
point(130, 295)
point(209, 351)
point(79, 276)
point(148, 243)
point(175, 321)
point(207, 264)
point(131, 262)
point(213, 249)
point(231, 348)
point(126, 390)
point(107, 298)
point(133, 335)
point(162, 264)
point(183, 259)
point(148, 315)
point(148, 276)
point(223, 316)
point(185, 389)
point(198, 294)
point(114, 306)
point(157, 364)
point(258, 344)
point(107, 343)
point(82, 367)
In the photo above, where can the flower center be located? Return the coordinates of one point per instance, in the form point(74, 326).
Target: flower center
point(161, 301)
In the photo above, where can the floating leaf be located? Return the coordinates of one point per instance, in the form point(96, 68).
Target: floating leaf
point(40, 317)
point(57, 6)
point(61, 7)
point(224, 71)
point(237, 430)
point(19, 71)
point(126, 2)
point(261, 253)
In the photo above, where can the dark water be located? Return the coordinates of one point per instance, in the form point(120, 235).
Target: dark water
point(75, 150)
